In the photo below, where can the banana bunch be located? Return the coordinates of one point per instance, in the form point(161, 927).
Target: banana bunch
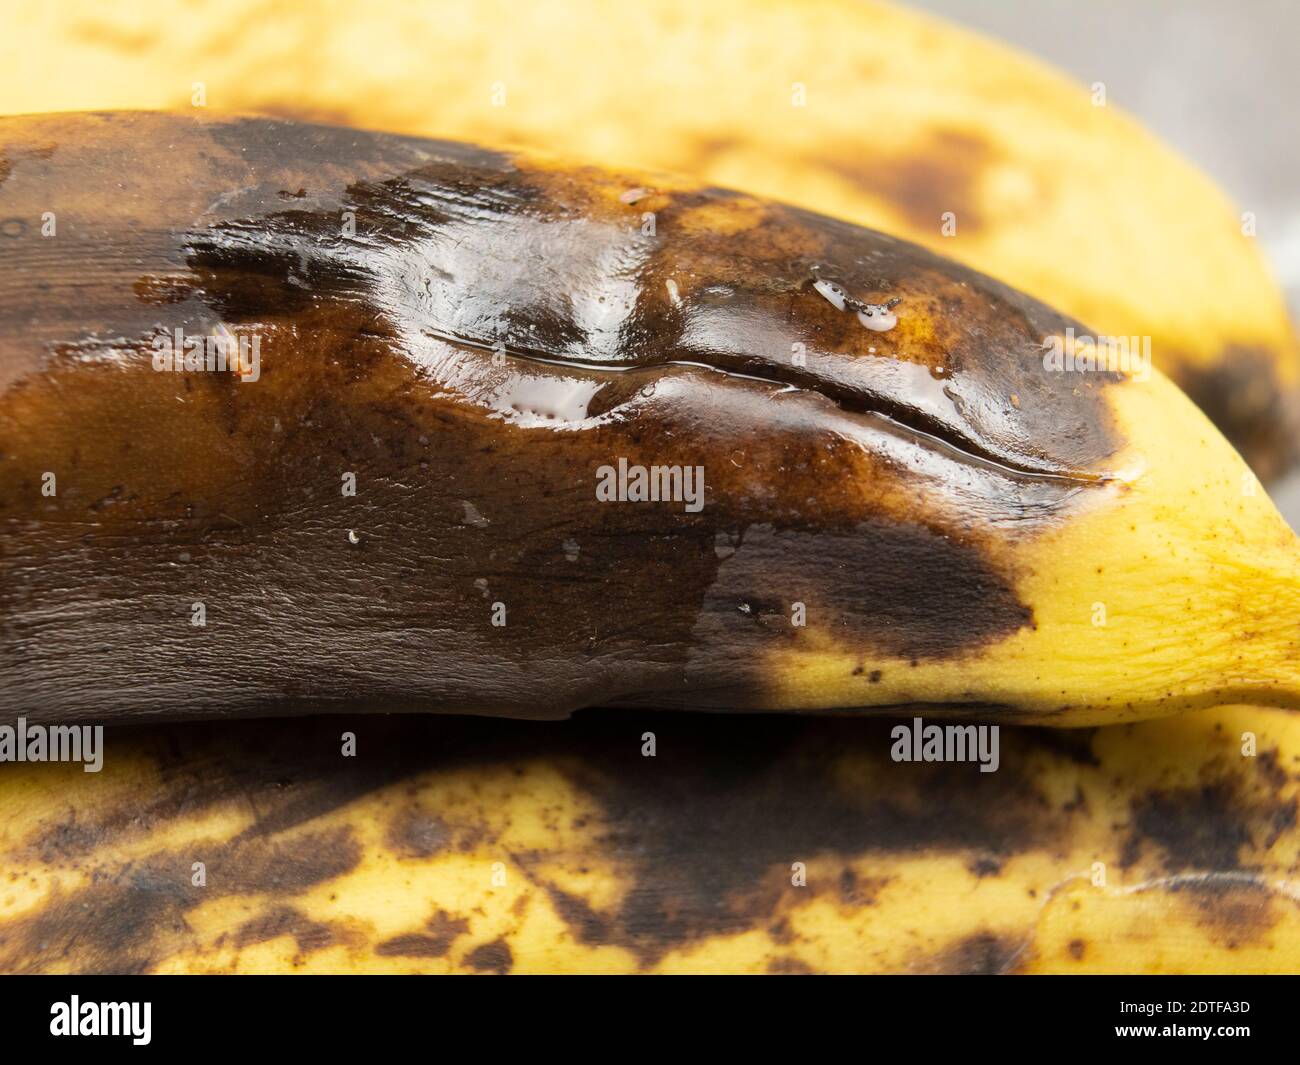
point(630, 841)
point(863, 111)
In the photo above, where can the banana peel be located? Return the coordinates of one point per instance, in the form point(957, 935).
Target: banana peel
point(865, 111)
point(919, 512)
point(738, 845)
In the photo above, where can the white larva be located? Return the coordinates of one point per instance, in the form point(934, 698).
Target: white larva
point(878, 317)
point(833, 293)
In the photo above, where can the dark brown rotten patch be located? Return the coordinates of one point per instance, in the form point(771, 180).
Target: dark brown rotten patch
point(309, 935)
point(494, 957)
point(134, 915)
point(1235, 909)
point(474, 338)
point(981, 954)
point(708, 830)
point(1218, 825)
point(1240, 392)
point(435, 941)
point(941, 174)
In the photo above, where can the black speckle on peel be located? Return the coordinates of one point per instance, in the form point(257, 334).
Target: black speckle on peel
point(1077, 949)
point(495, 957)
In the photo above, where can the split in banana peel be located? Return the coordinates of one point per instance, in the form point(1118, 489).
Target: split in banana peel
point(873, 113)
point(892, 482)
point(777, 844)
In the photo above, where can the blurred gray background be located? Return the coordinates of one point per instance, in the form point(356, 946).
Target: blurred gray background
point(1217, 79)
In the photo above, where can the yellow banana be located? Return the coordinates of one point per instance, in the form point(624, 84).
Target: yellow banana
point(864, 111)
point(414, 486)
point(741, 845)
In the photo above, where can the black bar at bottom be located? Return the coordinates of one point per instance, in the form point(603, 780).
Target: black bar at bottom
point(334, 1014)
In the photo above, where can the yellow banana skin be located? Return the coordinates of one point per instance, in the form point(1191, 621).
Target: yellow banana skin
point(462, 845)
point(865, 111)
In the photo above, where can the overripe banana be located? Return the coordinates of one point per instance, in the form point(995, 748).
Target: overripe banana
point(775, 844)
point(868, 112)
point(877, 478)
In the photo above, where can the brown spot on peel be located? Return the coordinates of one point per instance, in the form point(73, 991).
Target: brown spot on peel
point(441, 931)
point(938, 175)
point(494, 957)
point(980, 954)
point(285, 921)
point(1235, 908)
point(126, 922)
point(1241, 393)
point(1208, 827)
point(417, 834)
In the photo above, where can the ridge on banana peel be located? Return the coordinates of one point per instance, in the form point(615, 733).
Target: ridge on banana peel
point(462, 845)
point(470, 337)
point(870, 112)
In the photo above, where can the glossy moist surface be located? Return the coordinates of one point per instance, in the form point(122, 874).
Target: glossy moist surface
point(470, 336)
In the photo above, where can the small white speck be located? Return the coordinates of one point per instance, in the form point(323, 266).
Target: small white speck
point(673, 294)
point(354, 537)
point(632, 195)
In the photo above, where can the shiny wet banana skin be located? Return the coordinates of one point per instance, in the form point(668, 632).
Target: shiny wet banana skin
point(471, 337)
point(929, 132)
